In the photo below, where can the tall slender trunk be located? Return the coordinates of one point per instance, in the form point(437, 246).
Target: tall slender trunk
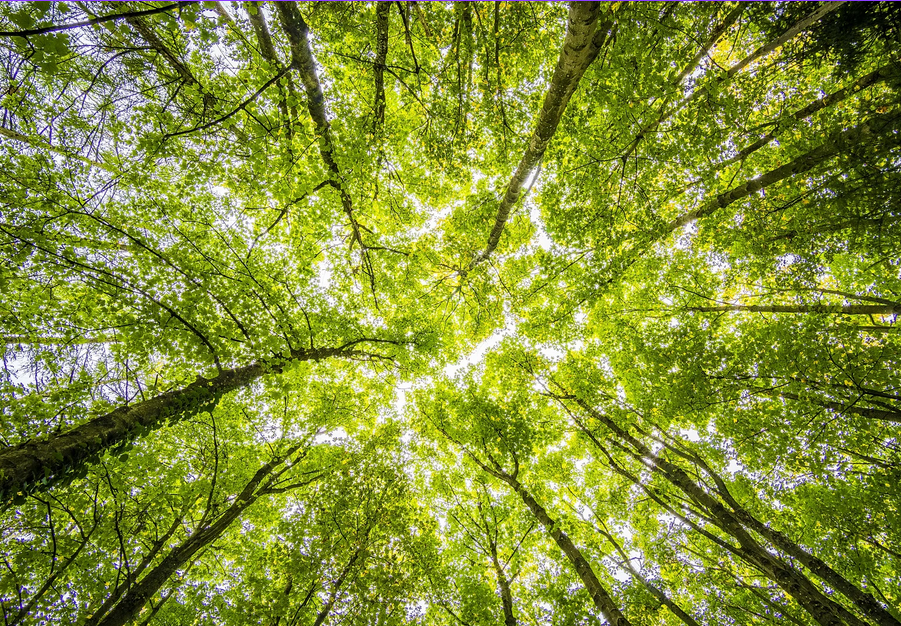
point(890, 73)
point(838, 309)
point(584, 40)
point(864, 601)
point(653, 589)
point(180, 556)
point(876, 131)
point(382, 13)
point(122, 588)
point(602, 599)
point(877, 414)
point(267, 49)
point(823, 609)
point(336, 587)
point(35, 463)
point(503, 586)
point(302, 60)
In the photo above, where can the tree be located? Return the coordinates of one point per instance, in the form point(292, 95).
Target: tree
point(450, 313)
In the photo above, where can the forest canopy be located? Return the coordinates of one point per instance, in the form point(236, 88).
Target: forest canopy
point(470, 313)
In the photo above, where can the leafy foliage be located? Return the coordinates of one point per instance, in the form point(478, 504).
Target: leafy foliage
point(450, 313)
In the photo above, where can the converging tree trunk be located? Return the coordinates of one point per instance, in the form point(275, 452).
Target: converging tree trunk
point(180, 556)
point(584, 40)
point(33, 463)
point(837, 309)
point(736, 522)
point(877, 132)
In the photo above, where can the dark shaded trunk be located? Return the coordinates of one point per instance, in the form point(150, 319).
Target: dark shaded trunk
point(302, 60)
point(382, 12)
point(34, 463)
point(886, 73)
point(602, 599)
point(183, 554)
point(837, 309)
point(864, 601)
point(503, 586)
point(875, 133)
point(336, 588)
point(584, 40)
point(799, 26)
point(267, 49)
point(146, 31)
point(653, 589)
point(823, 609)
point(131, 578)
point(877, 414)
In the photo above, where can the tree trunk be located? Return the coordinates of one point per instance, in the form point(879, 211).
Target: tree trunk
point(602, 599)
point(655, 591)
point(584, 40)
point(824, 610)
point(382, 12)
point(837, 309)
point(732, 71)
point(180, 556)
point(130, 579)
point(302, 60)
point(864, 601)
point(33, 463)
point(336, 587)
point(877, 130)
point(503, 586)
point(876, 414)
point(267, 49)
point(886, 73)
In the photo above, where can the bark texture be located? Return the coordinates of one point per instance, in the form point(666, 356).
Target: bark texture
point(602, 599)
point(267, 50)
point(838, 407)
point(382, 12)
point(821, 608)
point(32, 463)
point(877, 133)
point(180, 556)
point(584, 40)
point(302, 60)
point(837, 309)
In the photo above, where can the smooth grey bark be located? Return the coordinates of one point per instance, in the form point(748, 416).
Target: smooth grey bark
point(302, 60)
point(584, 40)
point(838, 407)
point(267, 49)
point(763, 50)
point(718, 31)
point(32, 463)
point(653, 589)
point(602, 599)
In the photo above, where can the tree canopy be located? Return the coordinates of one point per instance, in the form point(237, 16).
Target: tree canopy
point(450, 313)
